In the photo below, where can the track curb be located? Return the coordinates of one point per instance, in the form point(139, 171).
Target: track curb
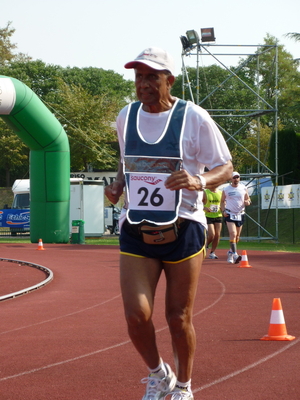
point(31, 288)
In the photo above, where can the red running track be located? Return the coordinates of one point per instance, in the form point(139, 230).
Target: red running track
point(68, 340)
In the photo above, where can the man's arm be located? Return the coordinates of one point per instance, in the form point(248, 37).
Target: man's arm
point(114, 191)
point(247, 200)
point(218, 175)
point(223, 204)
point(215, 177)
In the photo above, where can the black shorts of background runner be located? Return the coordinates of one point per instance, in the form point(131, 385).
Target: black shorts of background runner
point(217, 220)
point(237, 223)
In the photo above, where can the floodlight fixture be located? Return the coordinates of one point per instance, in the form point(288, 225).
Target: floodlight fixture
point(185, 43)
point(192, 36)
point(207, 35)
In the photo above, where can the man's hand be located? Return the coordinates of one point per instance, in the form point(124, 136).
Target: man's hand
point(114, 191)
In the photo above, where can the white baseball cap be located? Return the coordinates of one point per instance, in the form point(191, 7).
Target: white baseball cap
point(235, 173)
point(155, 58)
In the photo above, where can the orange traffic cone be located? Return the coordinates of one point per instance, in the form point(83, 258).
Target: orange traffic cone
point(244, 262)
point(40, 245)
point(277, 328)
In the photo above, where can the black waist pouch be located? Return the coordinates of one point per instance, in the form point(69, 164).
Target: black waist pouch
point(158, 234)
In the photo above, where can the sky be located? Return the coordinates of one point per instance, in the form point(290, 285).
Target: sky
point(108, 33)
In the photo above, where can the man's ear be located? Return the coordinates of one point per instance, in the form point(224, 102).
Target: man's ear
point(171, 80)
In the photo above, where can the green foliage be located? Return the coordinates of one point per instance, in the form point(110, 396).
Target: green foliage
point(86, 101)
point(37, 75)
point(14, 155)
point(294, 35)
point(6, 47)
point(287, 87)
point(97, 81)
point(87, 120)
point(218, 88)
point(6, 197)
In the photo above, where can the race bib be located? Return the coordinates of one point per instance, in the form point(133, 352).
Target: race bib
point(235, 217)
point(147, 191)
point(214, 208)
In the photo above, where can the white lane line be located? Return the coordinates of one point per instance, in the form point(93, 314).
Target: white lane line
point(100, 350)
point(250, 366)
point(63, 362)
point(61, 316)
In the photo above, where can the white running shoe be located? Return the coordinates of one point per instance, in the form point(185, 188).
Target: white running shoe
point(179, 395)
point(236, 258)
point(213, 256)
point(230, 257)
point(158, 387)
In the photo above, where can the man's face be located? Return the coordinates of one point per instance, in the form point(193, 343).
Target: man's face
point(235, 180)
point(152, 86)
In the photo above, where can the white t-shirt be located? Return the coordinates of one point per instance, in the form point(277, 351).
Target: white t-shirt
point(203, 146)
point(235, 198)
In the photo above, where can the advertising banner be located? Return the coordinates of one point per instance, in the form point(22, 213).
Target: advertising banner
point(288, 196)
point(14, 218)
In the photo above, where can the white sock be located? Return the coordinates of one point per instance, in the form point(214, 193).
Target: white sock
point(184, 385)
point(159, 370)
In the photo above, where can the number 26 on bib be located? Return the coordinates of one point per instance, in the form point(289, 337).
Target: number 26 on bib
point(147, 191)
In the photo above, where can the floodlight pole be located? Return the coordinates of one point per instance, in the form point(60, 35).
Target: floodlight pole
point(258, 147)
point(182, 72)
point(185, 71)
point(276, 141)
point(197, 77)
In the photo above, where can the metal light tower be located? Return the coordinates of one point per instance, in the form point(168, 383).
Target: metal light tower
point(192, 45)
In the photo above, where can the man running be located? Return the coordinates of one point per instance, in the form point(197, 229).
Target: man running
point(234, 199)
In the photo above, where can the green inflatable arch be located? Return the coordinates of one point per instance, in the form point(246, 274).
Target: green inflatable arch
point(49, 167)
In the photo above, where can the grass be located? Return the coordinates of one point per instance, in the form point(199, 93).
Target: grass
point(243, 245)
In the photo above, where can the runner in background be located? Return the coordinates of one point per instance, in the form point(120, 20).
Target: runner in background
point(211, 201)
point(234, 199)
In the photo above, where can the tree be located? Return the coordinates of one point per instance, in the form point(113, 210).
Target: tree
point(97, 81)
point(293, 35)
point(87, 120)
point(288, 89)
point(40, 77)
point(6, 47)
point(14, 156)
